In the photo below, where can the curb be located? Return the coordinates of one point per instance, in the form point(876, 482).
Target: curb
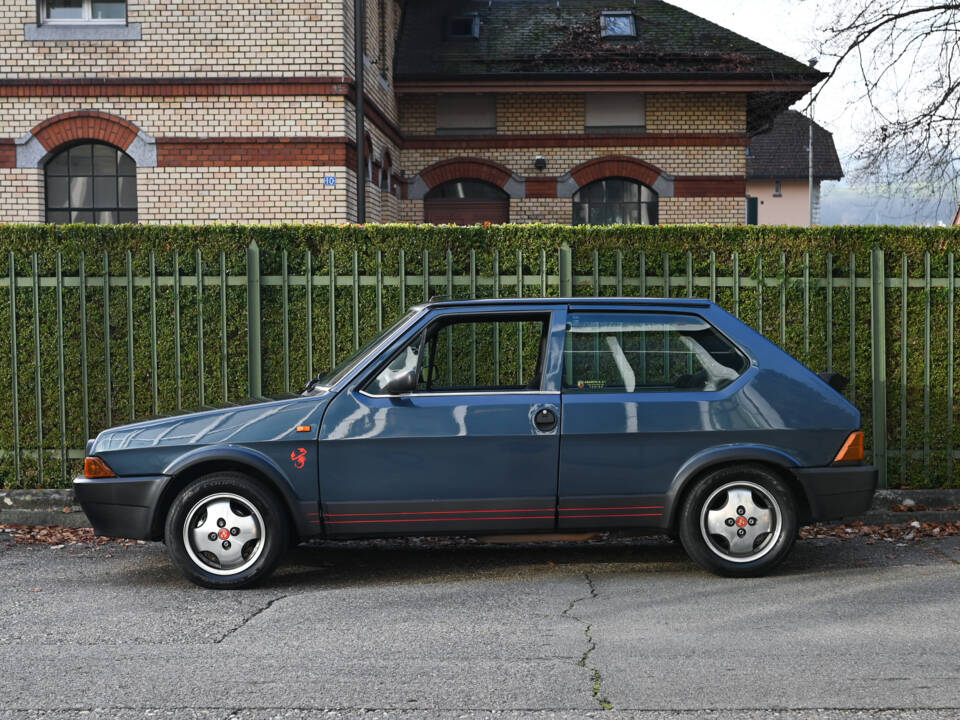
point(59, 507)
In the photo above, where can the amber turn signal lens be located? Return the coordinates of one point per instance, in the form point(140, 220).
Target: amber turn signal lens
point(852, 450)
point(94, 467)
point(303, 428)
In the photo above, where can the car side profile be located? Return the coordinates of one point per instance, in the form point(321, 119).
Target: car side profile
point(481, 417)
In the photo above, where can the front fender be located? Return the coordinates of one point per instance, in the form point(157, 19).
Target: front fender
point(722, 455)
point(237, 455)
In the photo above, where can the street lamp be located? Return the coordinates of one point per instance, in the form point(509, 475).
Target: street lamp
point(813, 64)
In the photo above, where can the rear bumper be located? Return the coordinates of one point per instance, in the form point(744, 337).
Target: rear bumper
point(120, 507)
point(838, 492)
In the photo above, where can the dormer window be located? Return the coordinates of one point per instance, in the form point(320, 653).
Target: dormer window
point(83, 11)
point(617, 23)
point(464, 26)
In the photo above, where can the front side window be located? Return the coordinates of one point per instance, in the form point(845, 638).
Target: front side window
point(615, 201)
point(74, 11)
point(91, 183)
point(471, 354)
point(647, 352)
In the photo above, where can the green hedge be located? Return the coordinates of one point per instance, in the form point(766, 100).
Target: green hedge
point(921, 428)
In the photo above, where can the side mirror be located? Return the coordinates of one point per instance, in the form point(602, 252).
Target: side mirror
point(402, 383)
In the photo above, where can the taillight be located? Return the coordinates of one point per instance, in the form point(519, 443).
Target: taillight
point(94, 467)
point(852, 450)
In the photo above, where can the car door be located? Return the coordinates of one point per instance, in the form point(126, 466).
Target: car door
point(643, 392)
point(473, 447)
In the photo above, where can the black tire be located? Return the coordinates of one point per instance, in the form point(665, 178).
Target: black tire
point(741, 502)
point(230, 503)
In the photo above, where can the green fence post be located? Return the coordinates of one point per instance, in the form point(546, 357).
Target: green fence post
point(878, 356)
point(254, 374)
point(566, 271)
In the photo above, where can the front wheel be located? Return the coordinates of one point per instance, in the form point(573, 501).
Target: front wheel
point(226, 531)
point(739, 521)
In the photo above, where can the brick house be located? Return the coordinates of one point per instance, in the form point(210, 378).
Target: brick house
point(531, 110)
point(778, 171)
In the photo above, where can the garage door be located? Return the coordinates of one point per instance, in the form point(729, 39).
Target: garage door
point(466, 202)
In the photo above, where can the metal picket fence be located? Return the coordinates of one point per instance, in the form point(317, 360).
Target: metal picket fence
point(104, 344)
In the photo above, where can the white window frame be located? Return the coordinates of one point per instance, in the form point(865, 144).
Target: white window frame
point(87, 19)
point(617, 14)
point(777, 188)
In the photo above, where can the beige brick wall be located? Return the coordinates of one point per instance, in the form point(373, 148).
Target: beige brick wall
point(189, 38)
point(696, 112)
point(540, 113)
point(532, 113)
point(194, 116)
point(418, 114)
point(21, 195)
point(541, 210)
point(720, 210)
point(724, 160)
point(243, 194)
point(411, 211)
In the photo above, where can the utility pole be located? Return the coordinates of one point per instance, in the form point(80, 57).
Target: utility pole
point(813, 64)
point(359, 43)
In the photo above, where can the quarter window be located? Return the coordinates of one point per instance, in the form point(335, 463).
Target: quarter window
point(647, 352)
point(74, 11)
point(91, 183)
point(471, 354)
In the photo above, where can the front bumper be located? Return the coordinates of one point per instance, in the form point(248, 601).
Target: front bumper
point(839, 491)
point(120, 507)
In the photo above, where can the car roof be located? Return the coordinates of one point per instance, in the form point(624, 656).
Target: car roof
point(443, 302)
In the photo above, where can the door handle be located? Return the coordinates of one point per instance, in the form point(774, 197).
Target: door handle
point(545, 420)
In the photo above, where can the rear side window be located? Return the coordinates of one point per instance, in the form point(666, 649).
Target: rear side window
point(647, 352)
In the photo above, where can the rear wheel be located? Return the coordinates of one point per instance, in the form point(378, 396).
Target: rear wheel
point(739, 521)
point(226, 531)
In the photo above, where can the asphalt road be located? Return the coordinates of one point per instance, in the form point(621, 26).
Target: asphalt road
point(415, 629)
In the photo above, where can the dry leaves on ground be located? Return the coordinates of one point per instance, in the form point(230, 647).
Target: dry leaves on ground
point(906, 531)
point(56, 535)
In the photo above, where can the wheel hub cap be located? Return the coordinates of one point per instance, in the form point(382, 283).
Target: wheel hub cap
point(740, 521)
point(224, 534)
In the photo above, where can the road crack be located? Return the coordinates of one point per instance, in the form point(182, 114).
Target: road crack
point(595, 677)
point(250, 617)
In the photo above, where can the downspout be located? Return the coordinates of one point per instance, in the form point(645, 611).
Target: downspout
point(359, 42)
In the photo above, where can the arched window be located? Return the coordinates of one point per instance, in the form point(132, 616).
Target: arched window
point(91, 183)
point(615, 201)
point(368, 150)
point(466, 190)
point(386, 167)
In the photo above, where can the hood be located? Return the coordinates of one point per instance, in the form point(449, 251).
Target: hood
point(274, 420)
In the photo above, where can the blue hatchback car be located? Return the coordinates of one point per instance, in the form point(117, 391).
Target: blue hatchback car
point(502, 416)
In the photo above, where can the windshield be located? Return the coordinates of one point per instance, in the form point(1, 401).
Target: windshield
point(333, 376)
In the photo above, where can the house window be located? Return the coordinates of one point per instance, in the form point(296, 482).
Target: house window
point(467, 115)
point(386, 167)
point(618, 23)
point(464, 26)
point(615, 201)
point(80, 11)
point(91, 183)
point(777, 190)
point(615, 113)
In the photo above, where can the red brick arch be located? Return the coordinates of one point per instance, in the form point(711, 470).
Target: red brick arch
point(88, 125)
point(616, 166)
point(466, 169)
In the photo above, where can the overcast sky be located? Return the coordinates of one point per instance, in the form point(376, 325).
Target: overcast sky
point(789, 27)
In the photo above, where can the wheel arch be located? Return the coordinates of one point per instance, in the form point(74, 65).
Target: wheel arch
point(712, 459)
point(198, 463)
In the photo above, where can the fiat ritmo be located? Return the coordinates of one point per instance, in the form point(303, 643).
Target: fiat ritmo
point(502, 416)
